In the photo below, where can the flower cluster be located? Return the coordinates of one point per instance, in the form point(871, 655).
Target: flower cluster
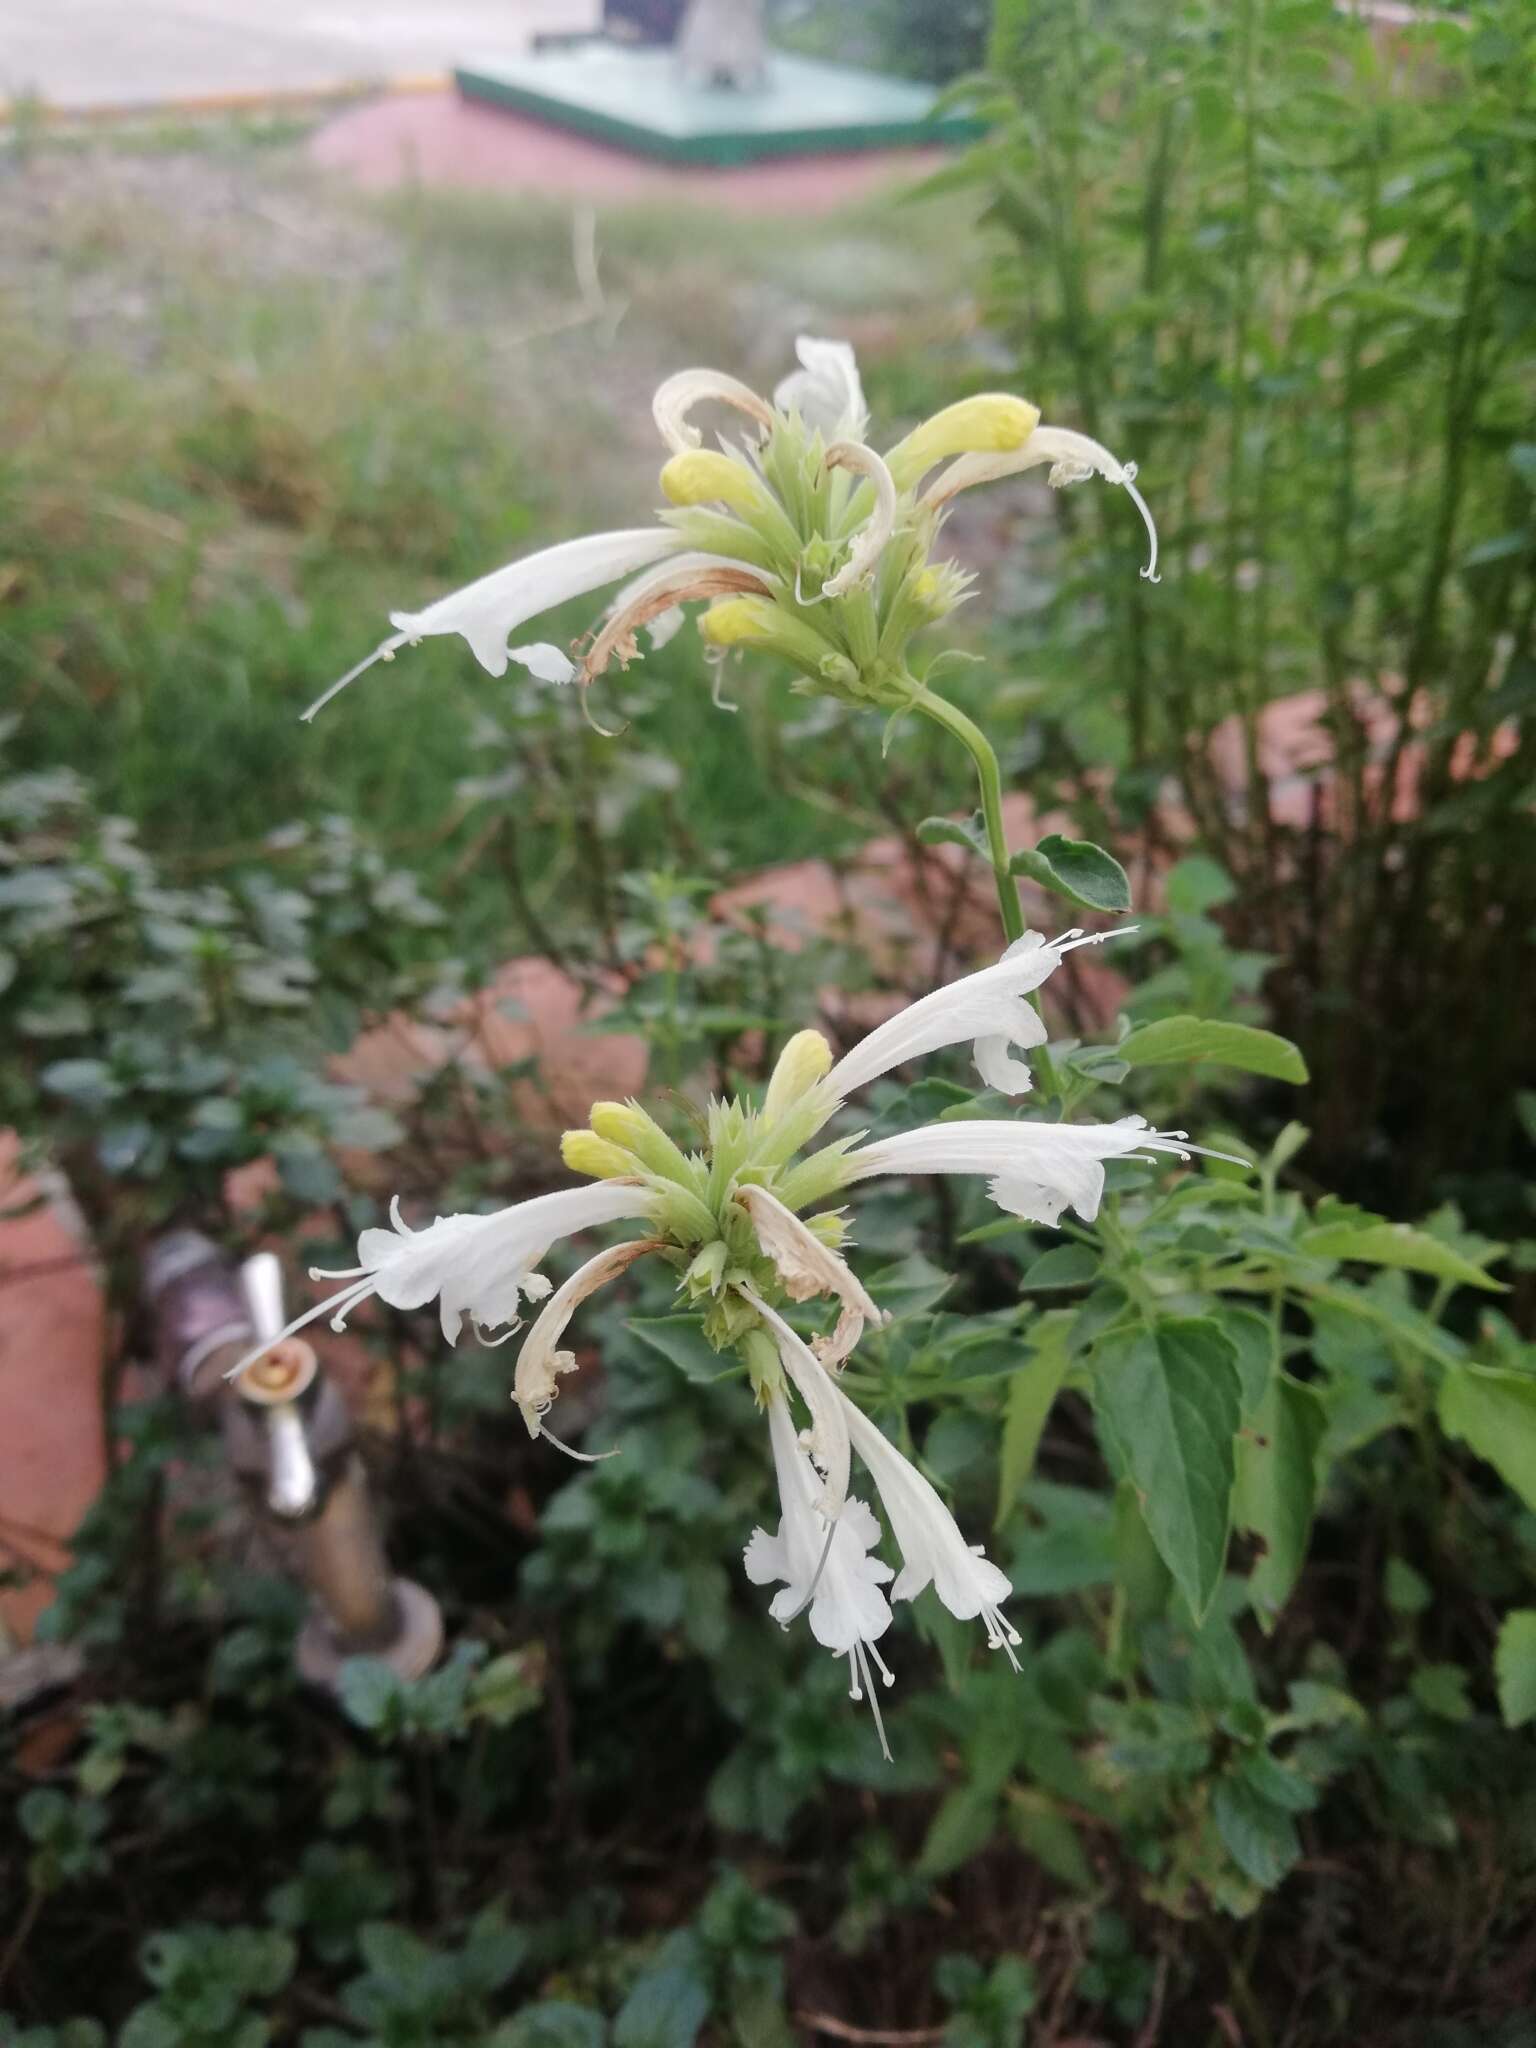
point(728, 1219)
point(800, 537)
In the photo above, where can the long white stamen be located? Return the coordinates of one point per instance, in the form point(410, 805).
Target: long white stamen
point(385, 651)
point(337, 1306)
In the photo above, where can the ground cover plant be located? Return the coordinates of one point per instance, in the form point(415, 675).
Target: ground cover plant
point(1255, 1462)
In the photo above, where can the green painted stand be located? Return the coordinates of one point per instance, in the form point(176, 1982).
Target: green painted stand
point(636, 99)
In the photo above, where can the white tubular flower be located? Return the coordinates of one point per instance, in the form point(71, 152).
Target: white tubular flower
point(477, 1266)
point(1036, 1169)
point(870, 541)
point(808, 1267)
point(1073, 458)
point(988, 1007)
point(541, 1362)
point(677, 395)
point(932, 1548)
point(829, 1427)
point(825, 391)
point(824, 1565)
point(488, 611)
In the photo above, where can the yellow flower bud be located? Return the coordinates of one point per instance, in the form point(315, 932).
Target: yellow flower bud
point(739, 622)
point(992, 423)
point(627, 1124)
point(701, 476)
point(586, 1152)
point(759, 622)
point(801, 1064)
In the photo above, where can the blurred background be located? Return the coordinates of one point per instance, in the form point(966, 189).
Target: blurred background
point(311, 313)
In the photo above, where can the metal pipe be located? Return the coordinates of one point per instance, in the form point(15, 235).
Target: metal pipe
point(290, 1438)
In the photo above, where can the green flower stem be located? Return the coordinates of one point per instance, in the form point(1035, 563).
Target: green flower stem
point(989, 782)
point(990, 785)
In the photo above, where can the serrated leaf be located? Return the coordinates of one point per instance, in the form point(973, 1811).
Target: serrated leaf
point(1514, 1666)
point(1171, 1400)
point(1181, 1041)
point(1375, 1243)
point(1253, 1348)
point(1494, 1410)
point(1076, 869)
point(1031, 1394)
point(1276, 1490)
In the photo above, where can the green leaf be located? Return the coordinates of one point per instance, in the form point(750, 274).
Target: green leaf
point(667, 2006)
point(1494, 1410)
point(966, 832)
point(1407, 1591)
point(1171, 1401)
point(1253, 1347)
point(1042, 1830)
point(681, 1342)
point(909, 1287)
point(552, 2023)
point(1064, 1265)
point(1277, 1489)
point(1260, 1838)
point(1076, 869)
point(961, 1829)
point(1441, 1690)
point(1372, 1242)
point(1514, 1666)
point(1031, 1392)
point(1181, 1041)
point(1196, 884)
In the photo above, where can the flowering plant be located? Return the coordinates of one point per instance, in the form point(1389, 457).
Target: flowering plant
point(806, 542)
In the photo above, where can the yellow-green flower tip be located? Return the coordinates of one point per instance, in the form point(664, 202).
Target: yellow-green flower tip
point(801, 1064)
point(992, 423)
point(740, 622)
point(701, 476)
point(585, 1152)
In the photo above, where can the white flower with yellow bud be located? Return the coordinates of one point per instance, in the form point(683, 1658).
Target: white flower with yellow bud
point(801, 538)
point(726, 1218)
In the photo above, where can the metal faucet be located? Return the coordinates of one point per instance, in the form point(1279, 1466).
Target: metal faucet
point(289, 1436)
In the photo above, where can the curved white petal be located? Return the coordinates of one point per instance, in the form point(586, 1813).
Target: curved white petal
point(808, 1267)
point(826, 390)
point(475, 1266)
point(829, 1429)
point(932, 1547)
point(869, 542)
point(656, 596)
point(488, 611)
point(1035, 1169)
point(677, 395)
point(543, 659)
point(840, 1581)
point(988, 1007)
point(1073, 458)
point(541, 1362)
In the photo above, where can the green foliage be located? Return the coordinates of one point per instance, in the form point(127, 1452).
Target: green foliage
point(1281, 258)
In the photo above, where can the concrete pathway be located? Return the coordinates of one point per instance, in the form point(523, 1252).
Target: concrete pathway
point(93, 56)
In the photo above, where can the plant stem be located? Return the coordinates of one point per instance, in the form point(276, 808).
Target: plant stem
point(989, 783)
